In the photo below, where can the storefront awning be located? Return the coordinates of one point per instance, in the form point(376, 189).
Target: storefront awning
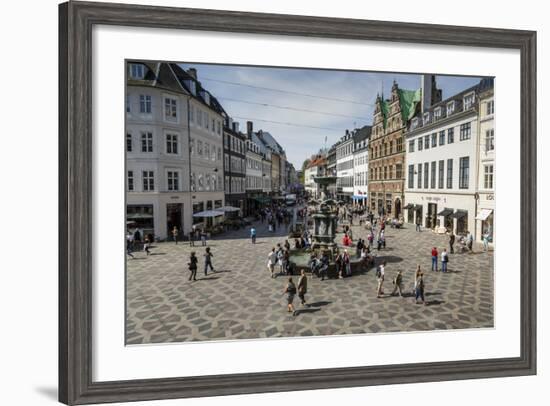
point(445, 212)
point(409, 206)
point(263, 199)
point(483, 214)
point(359, 197)
point(133, 216)
point(459, 214)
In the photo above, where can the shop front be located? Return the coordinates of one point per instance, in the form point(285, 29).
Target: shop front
point(486, 217)
point(461, 217)
point(445, 219)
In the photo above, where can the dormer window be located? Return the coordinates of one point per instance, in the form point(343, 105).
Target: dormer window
point(437, 113)
point(206, 97)
point(468, 101)
point(414, 123)
point(450, 108)
point(192, 86)
point(426, 118)
point(137, 71)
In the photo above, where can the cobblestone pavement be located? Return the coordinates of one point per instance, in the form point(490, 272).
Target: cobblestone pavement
point(240, 300)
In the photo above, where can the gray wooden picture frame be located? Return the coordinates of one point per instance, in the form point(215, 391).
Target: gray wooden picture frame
point(76, 20)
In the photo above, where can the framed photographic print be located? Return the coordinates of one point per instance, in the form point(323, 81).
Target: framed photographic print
point(258, 203)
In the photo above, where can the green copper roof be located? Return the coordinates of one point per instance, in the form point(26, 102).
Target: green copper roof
point(408, 100)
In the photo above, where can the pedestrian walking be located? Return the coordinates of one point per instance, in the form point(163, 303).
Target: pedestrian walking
point(370, 239)
point(418, 222)
point(380, 272)
point(470, 241)
point(444, 260)
point(359, 247)
point(253, 235)
point(208, 261)
point(339, 262)
point(323, 270)
point(452, 242)
point(485, 238)
point(434, 259)
point(192, 264)
point(286, 245)
point(290, 290)
point(146, 246)
point(203, 237)
point(416, 276)
point(398, 284)
point(192, 238)
point(302, 287)
point(175, 233)
point(420, 289)
point(383, 238)
point(129, 245)
point(271, 260)
point(346, 262)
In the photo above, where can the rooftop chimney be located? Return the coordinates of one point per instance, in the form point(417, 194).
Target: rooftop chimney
point(192, 72)
point(236, 127)
point(249, 127)
point(430, 93)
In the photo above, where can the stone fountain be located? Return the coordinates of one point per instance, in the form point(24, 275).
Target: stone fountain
point(325, 219)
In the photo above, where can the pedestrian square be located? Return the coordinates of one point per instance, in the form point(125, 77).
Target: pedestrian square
point(241, 301)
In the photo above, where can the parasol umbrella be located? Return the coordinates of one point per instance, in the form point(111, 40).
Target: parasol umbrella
point(208, 213)
point(228, 209)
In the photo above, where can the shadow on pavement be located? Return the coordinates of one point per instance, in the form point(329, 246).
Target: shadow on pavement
point(300, 311)
point(319, 304)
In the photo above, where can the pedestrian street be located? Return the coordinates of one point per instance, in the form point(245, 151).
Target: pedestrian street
point(241, 301)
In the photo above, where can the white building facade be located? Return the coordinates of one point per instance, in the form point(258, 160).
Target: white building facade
point(344, 168)
point(486, 178)
point(173, 148)
point(441, 165)
point(361, 167)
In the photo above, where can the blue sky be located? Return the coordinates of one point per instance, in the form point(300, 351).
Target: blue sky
point(355, 91)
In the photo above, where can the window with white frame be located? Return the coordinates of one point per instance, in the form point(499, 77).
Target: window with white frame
point(450, 135)
point(437, 113)
point(465, 131)
point(173, 181)
point(207, 150)
point(426, 118)
point(128, 142)
point(469, 101)
point(145, 103)
point(442, 137)
point(193, 181)
point(490, 107)
point(464, 173)
point(137, 71)
point(488, 177)
point(450, 108)
point(170, 109)
point(199, 117)
point(171, 144)
point(489, 140)
point(146, 141)
point(148, 181)
point(199, 147)
point(130, 181)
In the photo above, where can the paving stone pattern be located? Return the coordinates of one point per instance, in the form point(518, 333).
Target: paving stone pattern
point(240, 300)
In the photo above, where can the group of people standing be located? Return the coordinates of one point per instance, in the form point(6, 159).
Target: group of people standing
point(418, 287)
